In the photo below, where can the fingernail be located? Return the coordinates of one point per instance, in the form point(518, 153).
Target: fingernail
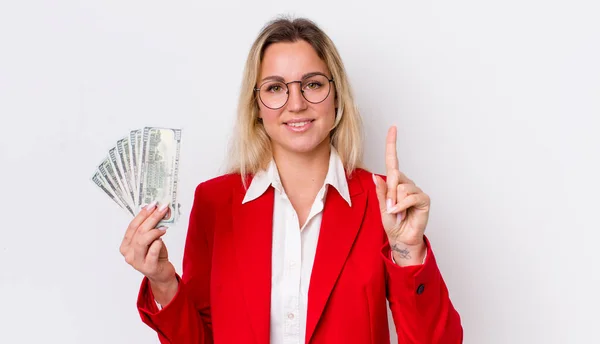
point(163, 228)
point(389, 206)
point(151, 206)
point(163, 207)
point(398, 218)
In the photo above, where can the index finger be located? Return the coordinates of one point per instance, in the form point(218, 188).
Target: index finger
point(391, 156)
point(137, 222)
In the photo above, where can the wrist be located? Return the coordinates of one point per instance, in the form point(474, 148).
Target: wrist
point(405, 255)
point(164, 291)
point(164, 285)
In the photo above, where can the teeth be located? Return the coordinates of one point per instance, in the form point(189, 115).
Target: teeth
point(298, 124)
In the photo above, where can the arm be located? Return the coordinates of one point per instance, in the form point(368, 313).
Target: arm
point(417, 294)
point(420, 304)
point(186, 318)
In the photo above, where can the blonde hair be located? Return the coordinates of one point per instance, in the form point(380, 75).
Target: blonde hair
point(250, 149)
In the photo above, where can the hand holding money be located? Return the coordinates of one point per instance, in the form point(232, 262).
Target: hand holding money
point(140, 175)
point(143, 249)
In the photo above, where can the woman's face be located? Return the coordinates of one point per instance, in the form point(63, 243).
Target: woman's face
point(299, 126)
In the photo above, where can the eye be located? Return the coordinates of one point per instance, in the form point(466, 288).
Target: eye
point(275, 88)
point(313, 85)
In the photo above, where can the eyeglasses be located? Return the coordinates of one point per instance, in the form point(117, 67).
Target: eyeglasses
point(274, 94)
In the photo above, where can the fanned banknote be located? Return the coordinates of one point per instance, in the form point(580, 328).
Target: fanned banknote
point(141, 168)
point(160, 167)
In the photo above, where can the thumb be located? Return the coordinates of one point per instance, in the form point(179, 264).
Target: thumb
point(154, 251)
point(381, 190)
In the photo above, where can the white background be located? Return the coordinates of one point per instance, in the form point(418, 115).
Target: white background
point(497, 104)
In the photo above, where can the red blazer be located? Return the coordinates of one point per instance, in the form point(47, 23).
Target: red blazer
point(224, 293)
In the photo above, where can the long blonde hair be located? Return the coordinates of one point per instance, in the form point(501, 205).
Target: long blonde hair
point(250, 149)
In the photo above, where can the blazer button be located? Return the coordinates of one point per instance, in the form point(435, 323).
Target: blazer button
point(420, 289)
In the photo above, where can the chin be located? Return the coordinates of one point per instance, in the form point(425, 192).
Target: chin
point(304, 145)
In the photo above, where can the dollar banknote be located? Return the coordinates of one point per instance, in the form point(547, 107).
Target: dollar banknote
point(143, 167)
point(120, 175)
point(133, 162)
point(160, 168)
point(100, 182)
point(109, 181)
point(123, 153)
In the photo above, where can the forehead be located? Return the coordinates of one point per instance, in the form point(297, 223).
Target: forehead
point(291, 61)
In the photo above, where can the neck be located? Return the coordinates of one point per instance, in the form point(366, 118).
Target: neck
point(303, 172)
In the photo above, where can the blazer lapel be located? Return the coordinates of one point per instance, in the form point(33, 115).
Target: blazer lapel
point(252, 238)
point(339, 227)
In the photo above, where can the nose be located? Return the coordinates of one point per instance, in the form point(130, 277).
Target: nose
point(296, 101)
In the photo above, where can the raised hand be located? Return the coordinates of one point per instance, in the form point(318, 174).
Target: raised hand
point(404, 208)
point(143, 249)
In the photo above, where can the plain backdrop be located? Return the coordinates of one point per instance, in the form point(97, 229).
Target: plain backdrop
point(496, 103)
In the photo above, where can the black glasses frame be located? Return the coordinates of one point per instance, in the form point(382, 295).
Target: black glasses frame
point(288, 91)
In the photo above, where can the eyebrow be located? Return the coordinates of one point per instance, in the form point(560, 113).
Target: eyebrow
point(279, 78)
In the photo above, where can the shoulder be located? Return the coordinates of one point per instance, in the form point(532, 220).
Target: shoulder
point(361, 173)
point(364, 176)
point(222, 182)
point(218, 190)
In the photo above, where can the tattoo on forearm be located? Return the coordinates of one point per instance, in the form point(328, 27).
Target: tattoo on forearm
point(404, 254)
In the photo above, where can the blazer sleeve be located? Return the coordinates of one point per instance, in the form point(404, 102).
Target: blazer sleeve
point(419, 301)
point(186, 319)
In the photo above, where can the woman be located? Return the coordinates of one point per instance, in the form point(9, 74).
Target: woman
point(298, 244)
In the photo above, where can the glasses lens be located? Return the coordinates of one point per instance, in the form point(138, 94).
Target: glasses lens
point(315, 88)
point(273, 94)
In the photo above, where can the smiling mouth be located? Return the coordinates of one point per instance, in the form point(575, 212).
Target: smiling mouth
point(299, 124)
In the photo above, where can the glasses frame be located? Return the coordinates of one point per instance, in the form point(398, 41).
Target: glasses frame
point(257, 89)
